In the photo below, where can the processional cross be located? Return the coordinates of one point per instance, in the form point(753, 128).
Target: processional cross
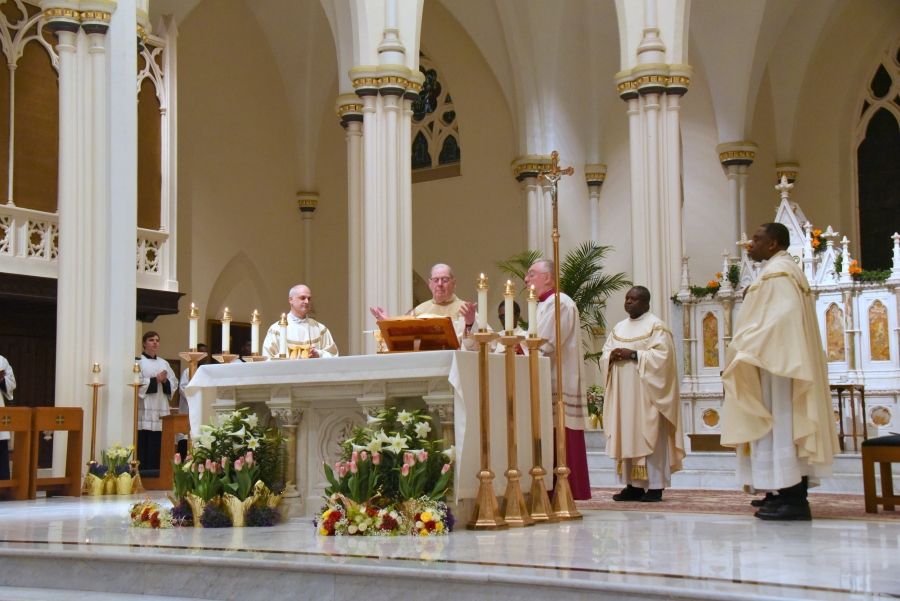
point(563, 501)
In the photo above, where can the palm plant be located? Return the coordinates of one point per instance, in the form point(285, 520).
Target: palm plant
point(582, 278)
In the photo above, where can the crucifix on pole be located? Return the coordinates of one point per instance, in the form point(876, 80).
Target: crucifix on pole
point(563, 502)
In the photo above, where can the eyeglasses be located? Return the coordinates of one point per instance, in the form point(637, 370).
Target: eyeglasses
point(441, 280)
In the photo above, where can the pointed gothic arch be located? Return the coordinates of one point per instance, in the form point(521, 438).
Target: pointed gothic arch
point(435, 149)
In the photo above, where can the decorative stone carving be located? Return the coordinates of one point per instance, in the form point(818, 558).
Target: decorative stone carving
point(880, 416)
point(710, 418)
point(710, 341)
point(879, 332)
point(834, 333)
point(334, 429)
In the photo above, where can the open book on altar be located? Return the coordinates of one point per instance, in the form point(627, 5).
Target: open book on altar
point(424, 333)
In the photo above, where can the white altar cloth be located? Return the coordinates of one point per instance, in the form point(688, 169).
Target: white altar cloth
point(329, 382)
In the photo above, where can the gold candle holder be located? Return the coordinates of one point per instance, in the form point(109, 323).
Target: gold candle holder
point(137, 486)
point(193, 358)
point(539, 499)
point(486, 515)
point(563, 501)
point(254, 357)
point(514, 509)
point(96, 393)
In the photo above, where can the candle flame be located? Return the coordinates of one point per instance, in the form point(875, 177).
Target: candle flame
point(482, 276)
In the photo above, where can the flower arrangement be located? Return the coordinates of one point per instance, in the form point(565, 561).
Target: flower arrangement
point(429, 518)
point(113, 475)
point(116, 458)
point(819, 243)
point(389, 473)
point(734, 276)
point(231, 474)
point(149, 514)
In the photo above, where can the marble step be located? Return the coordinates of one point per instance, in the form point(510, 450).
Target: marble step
point(15, 593)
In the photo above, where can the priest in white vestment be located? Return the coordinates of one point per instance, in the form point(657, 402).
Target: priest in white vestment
point(778, 411)
point(541, 276)
point(305, 335)
point(158, 382)
point(641, 417)
point(7, 387)
point(444, 303)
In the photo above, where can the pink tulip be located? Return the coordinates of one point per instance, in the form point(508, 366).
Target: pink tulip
point(376, 458)
point(248, 458)
point(404, 471)
point(363, 455)
point(201, 469)
point(177, 459)
point(343, 470)
point(354, 456)
point(423, 456)
point(337, 466)
point(353, 468)
point(224, 462)
point(238, 464)
point(189, 458)
point(445, 469)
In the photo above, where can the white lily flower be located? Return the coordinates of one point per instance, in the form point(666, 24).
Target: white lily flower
point(382, 437)
point(451, 453)
point(236, 414)
point(222, 418)
point(404, 416)
point(359, 448)
point(253, 443)
point(373, 421)
point(205, 428)
point(206, 440)
point(422, 429)
point(375, 445)
point(251, 420)
point(397, 444)
point(240, 433)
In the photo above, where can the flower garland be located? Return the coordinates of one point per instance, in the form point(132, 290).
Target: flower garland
point(149, 514)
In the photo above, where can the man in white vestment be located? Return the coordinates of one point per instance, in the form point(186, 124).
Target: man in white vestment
point(305, 335)
point(158, 382)
point(7, 387)
point(778, 412)
point(642, 420)
point(541, 276)
point(444, 303)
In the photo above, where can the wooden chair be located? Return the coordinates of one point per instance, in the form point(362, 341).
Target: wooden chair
point(18, 420)
point(57, 419)
point(171, 425)
point(883, 450)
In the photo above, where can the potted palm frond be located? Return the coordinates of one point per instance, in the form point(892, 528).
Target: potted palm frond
point(582, 277)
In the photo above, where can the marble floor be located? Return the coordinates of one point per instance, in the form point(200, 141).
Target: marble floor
point(608, 555)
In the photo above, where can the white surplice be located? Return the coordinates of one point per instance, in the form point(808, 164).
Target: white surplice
point(300, 331)
point(10, 385)
point(574, 398)
point(154, 405)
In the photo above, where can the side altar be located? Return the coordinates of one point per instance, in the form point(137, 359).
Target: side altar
point(318, 403)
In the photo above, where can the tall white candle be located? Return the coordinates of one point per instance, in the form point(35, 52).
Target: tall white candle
point(482, 302)
point(137, 372)
point(509, 318)
point(226, 331)
point(282, 339)
point(194, 317)
point(96, 373)
point(532, 312)
point(254, 333)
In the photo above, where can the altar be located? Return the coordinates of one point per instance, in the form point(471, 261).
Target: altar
point(318, 403)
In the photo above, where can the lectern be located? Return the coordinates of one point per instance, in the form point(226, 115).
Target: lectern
point(409, 334)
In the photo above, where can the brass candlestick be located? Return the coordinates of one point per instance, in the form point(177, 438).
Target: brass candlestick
point(563, 501)
point(539, 500)
point(193, 358)
point(513, 508)
point(486, 515)
point(136, 486)
point(96, 393)
point(254, 357)
point(225, 357)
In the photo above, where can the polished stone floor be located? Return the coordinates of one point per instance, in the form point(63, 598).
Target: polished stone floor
point(663, 555)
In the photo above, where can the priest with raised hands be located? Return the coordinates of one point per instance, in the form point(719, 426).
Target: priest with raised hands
point(158, 383)
point(541, 276)
point(306, 337)
point(444, 303)
point(641, 417)
point(777, 411)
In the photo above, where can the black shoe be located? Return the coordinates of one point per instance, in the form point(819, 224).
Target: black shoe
point(654, 495)
point(629, 493)
point(785, 512)
point(770, 499)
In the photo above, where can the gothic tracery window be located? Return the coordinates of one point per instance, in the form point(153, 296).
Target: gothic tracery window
point(435, 130)
point(878, 162)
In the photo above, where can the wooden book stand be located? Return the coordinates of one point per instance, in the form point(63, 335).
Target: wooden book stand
point(408, 334)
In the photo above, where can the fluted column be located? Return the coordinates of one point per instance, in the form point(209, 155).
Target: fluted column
point(735, 158)
point(525, 169)
point(307, 203)
point(350, 111)
point(595, 175)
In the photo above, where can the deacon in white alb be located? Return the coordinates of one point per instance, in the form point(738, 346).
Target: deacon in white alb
point(303, 333)
point(158, 383)
point(540, 275)
point(778, 411)
point(641, 415)
point(7, 386)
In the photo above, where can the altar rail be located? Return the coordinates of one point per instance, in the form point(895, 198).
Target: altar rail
point(858, 322)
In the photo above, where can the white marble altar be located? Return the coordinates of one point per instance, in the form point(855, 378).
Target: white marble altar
point(326, 399)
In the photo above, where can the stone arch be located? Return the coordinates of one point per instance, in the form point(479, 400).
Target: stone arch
point(238, 270)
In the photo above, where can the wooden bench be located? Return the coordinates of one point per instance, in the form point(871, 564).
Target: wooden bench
point(171, 425)
point(18, 420)
point(57, 419)
point(883, 450)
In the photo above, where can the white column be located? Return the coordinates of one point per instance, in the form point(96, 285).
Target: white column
point(70, 362)
point(405, 159)
point(355, 227)
point(372, 278)
point(742, 200)
point(307, 203)
point(735, 158)
point(595, 176)
point(533, 199)
point(673, 186)
point(121, 224)
point(654, 215)
point(392, 198)
point(640, 267)
point(545, 220)
point(734, 201)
